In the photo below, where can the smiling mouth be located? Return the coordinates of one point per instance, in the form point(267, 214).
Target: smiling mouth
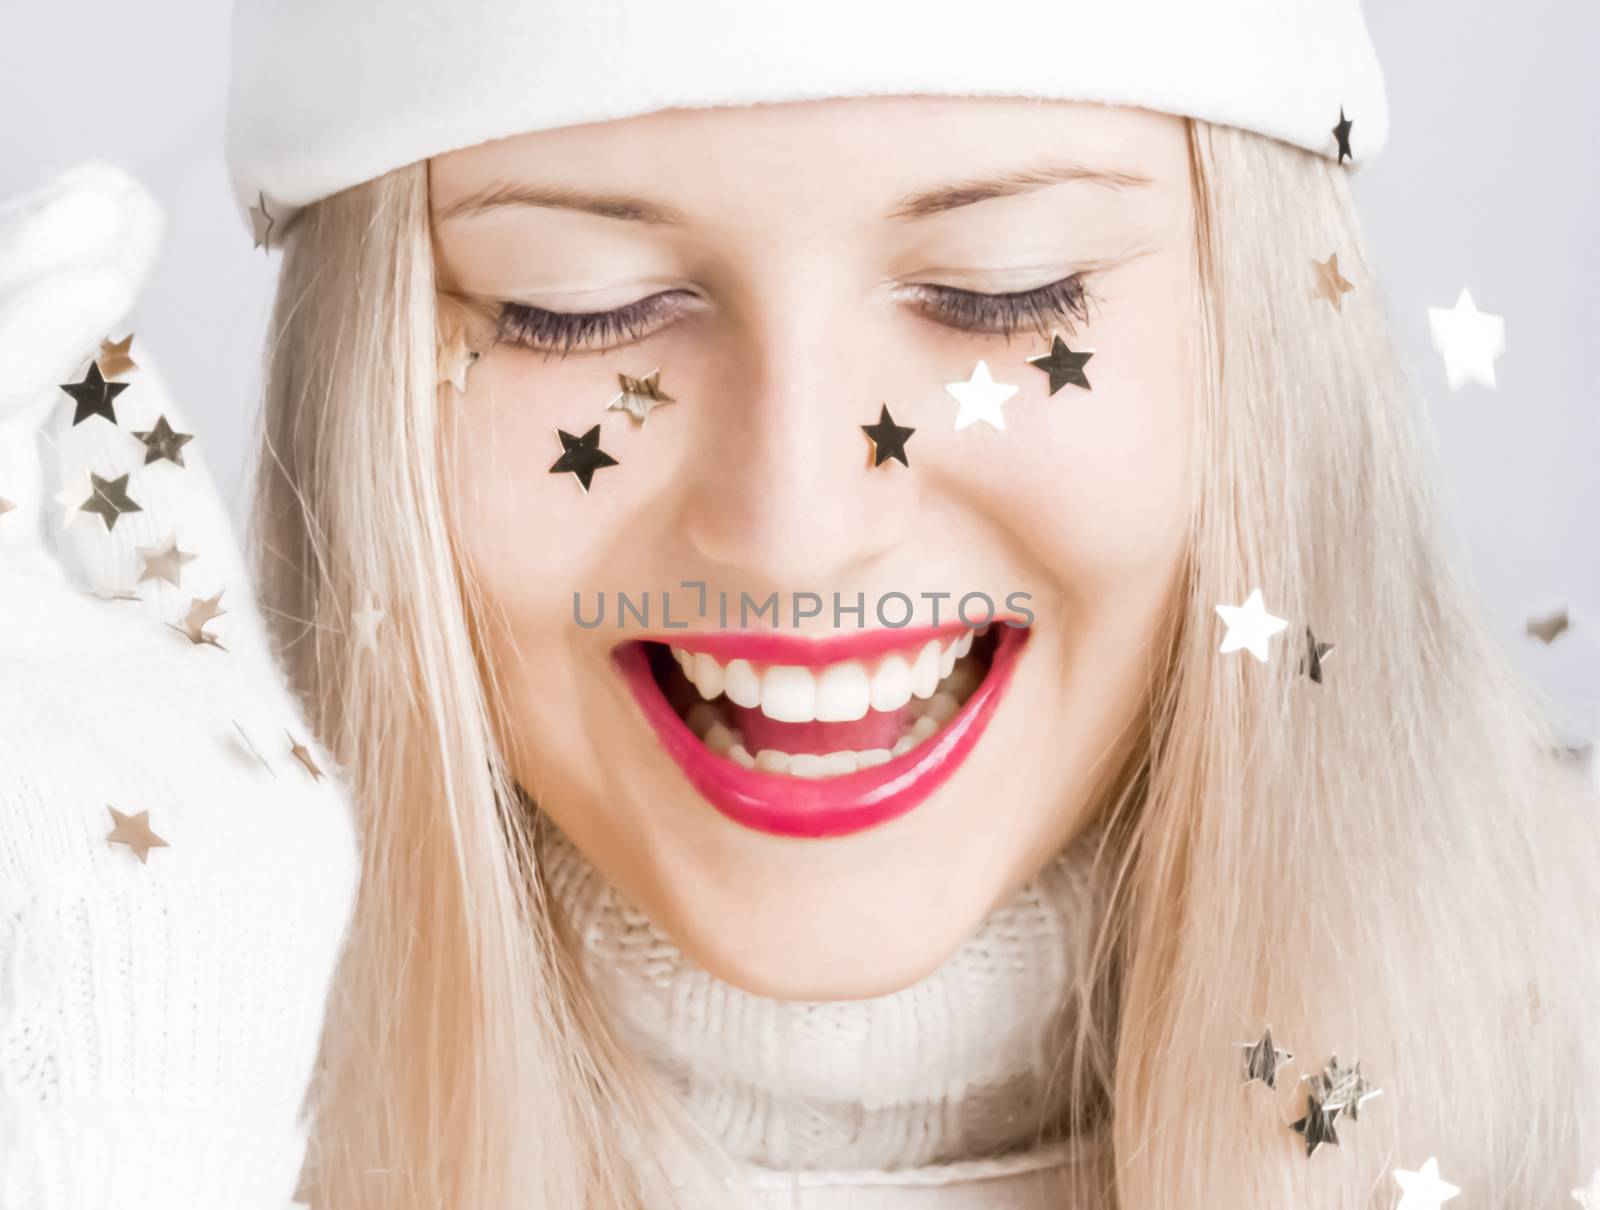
point(820, 737)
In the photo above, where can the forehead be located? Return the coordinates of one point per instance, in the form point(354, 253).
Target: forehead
point(699, 161)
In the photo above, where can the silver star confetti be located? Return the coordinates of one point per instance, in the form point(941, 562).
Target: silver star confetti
point(163, 562)
point(110, 499)
point(261, 223)
point(1549, 627)
point(1317, 1124)
point(1262, 1060)
point(1341, 1087)
point(639, 396)
point(201, 611)
point(162, 442)
point(1064, 366)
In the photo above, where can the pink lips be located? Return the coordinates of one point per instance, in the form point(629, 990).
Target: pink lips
point(834, 806)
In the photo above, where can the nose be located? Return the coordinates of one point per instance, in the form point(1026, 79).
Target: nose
point(786, 496)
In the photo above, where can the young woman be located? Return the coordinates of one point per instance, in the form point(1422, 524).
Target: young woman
point(765, 888)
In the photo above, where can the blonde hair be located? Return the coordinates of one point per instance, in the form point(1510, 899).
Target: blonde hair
point(1391, 866)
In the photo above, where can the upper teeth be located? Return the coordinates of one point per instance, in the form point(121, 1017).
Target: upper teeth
point(834, 693)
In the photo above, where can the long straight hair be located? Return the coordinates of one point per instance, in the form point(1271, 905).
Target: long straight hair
point(1390, 865)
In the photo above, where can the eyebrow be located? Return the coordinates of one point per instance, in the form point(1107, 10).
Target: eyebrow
point(921, 203)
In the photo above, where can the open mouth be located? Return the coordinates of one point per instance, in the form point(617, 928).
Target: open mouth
point(803, 737)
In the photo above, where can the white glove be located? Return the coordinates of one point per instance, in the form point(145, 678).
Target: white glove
point(159, 1017)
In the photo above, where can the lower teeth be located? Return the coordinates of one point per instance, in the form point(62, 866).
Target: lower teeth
point(706, 723)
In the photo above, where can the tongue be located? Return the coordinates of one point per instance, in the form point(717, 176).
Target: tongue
point(879, 729)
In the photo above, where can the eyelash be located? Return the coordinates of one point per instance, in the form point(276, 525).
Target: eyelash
point(1060, 302)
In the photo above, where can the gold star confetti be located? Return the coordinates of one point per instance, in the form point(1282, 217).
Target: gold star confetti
point(1317, 1124)
point(1341, 1086)
point(110, 499)
point(302, 754)
point(162, 442)
point(164, 563)
point(1330, 285)
point(113, 359)
point(455, 358)
point(1549, 627)
point(366, 622)
point(639, 396)
point(201, 611)
point(261, 223)
point(134, 831)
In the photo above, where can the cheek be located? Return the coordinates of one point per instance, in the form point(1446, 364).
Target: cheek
point(1101, 484)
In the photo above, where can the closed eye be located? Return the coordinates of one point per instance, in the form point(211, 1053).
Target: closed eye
point(1064, 302)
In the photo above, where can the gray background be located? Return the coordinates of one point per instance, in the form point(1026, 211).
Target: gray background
point(1491, 180)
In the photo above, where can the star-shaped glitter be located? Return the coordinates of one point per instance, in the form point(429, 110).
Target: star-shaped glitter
point(980, 398)
point(163, 562)
point(365, 621)
point(639, 396)
point(1262, 1060)
point(1342, 133)
point(109, 499)
point(1063, 365)
point(1468, 339)
point(162, 442)
point(1249, 626)
point(134, 831)
point(1317, 1124)
point(1547, 628)
point(201, 611)
point(455, 359)
point(94, 395)
point(1330, 285)
point(581, 456)
point(1342, 1087)
point(888, 439)
point(113, 357)
point(261, 223)
point(1422, 1189)
point(302, 754)
point(1589, 1196)
point(1316, 652)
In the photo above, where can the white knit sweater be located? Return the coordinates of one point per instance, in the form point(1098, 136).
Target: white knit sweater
point(159, 1017)
point(932, 1097)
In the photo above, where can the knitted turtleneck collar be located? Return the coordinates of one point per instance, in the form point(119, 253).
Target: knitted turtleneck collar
point(955, 1067)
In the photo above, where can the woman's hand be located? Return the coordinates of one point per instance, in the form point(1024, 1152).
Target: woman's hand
point(177, 859)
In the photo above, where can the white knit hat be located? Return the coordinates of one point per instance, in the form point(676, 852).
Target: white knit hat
point(329, 93)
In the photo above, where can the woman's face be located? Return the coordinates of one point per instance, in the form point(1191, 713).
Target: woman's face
point(820, 802)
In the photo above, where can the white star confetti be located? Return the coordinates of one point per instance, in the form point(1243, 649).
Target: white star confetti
point(980, 398)
point(1422, 1189)
point(366, 622)
point(1249, 626)
point(1468, 339)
